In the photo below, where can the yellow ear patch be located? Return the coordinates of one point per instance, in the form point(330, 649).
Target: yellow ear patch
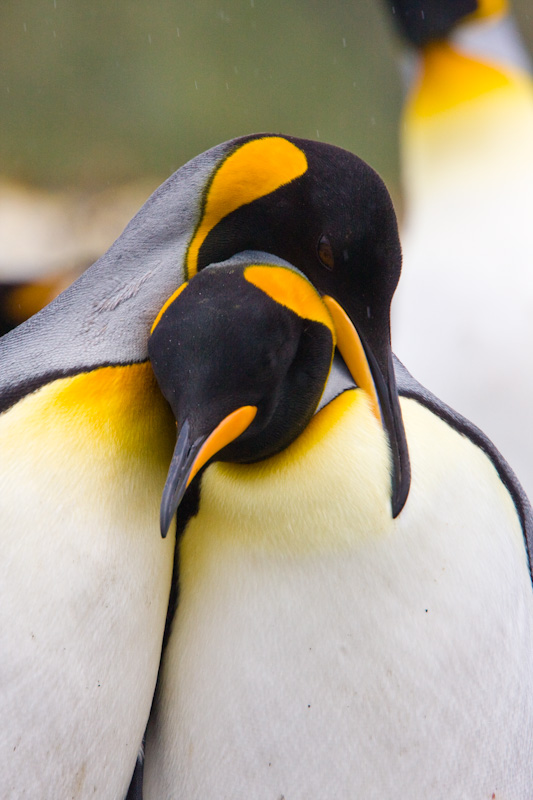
point(292, 291)
point(166, 305)
point(254, 170)
point(450, 78)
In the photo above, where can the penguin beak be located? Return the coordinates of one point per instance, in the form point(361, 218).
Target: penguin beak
point(197, 442)
point(351, 349)
point(192, 451)
point(380, 387)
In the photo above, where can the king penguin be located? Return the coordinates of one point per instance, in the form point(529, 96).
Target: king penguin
point(332, 609)
point(85, 440)
point(354, 613)
point(467, 170)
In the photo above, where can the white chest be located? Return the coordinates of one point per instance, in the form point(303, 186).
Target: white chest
point(84, 580)
point(398, 668)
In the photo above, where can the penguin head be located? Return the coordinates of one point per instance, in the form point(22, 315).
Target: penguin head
point(423, 21)
point(316, 206)
point(313, 205)
point(325, 211)
point(242, 354)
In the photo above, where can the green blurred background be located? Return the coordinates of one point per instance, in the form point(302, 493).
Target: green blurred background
point(97, 94)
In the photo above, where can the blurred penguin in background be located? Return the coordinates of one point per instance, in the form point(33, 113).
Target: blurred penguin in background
point(463, 316)
point(49, 237)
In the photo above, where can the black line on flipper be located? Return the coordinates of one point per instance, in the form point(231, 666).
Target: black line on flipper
point(478, 438)
point(409, 388)
point(11, 395)
point(135, 792)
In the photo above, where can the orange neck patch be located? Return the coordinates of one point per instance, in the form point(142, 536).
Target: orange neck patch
point(450, 78)
point(254, 170)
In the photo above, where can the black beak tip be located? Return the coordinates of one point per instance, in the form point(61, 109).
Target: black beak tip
point(172, 497)
point(164, 525)
point(176, 482)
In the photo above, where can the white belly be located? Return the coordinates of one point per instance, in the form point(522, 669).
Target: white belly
point(400, 667)
point(84, 580)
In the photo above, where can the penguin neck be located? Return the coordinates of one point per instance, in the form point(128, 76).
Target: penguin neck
point(82, 434)
point(329, 491)
point(463, 113)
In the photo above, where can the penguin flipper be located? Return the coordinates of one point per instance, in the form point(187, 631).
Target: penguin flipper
point(410, 388)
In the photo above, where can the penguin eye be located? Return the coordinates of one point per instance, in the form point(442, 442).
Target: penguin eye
point(324, 252)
